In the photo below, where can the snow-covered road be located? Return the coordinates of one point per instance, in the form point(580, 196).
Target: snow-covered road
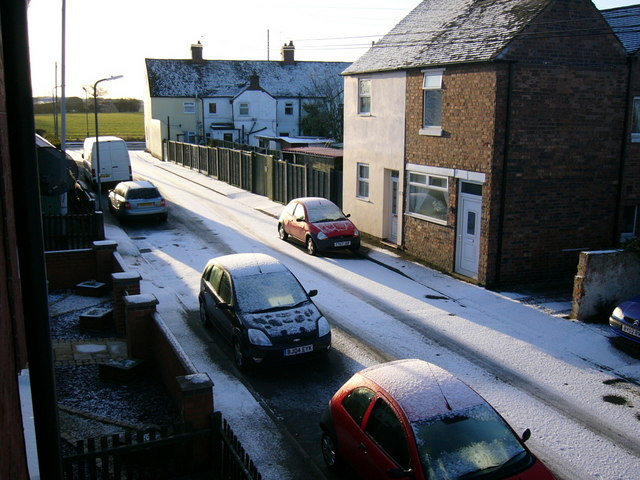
point(563, 379)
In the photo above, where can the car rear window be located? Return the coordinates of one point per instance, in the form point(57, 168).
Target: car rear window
point(143, 193)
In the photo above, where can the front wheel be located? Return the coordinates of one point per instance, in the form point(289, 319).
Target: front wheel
point(281, 233)
point(311, 246)
point(203, 314)
point(329, 452)
point(240, 359)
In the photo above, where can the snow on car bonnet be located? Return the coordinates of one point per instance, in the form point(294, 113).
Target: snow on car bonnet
point(420, 388)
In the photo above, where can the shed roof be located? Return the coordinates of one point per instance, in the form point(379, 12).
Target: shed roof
point(318, 151)
point(625, 23)
point(440, 32)
point(227, 78)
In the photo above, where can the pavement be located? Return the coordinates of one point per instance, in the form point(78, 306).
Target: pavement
point(551, 301)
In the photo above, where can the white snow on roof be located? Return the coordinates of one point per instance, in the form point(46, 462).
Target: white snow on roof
point(420, 388)
point(241, 264)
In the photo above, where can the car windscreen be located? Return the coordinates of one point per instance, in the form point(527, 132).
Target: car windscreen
point(268, 291)
point(142, 193)
point(326, 212)
point(467, 444)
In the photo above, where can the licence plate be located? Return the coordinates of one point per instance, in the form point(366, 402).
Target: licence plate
point(630, 331)
point(342, 244)
point(104, 175)
point(148, 204)
point(298, 350)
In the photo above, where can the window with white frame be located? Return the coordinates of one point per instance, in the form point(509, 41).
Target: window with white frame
point(428, 196)
point(432, 102)
point(363, 180)
point(364, 96)
point(635, 123)
point(189, 107)
point(243, 109)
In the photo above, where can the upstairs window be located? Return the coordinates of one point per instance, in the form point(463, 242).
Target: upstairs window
point(432, 102)
point(213, 108)
point(364, 96)
point(428, 197)
point(189, 107)
point(244, 109)
point(288, 108)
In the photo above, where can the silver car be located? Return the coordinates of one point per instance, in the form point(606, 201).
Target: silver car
point(137, 198)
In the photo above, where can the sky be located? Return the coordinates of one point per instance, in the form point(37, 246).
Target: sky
point(105, 39)
point(541, 356)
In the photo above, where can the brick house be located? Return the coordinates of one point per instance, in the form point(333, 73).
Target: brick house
point(505, 151)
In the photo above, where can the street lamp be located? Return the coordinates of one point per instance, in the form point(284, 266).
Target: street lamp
point(95, 107)
point(86, 107)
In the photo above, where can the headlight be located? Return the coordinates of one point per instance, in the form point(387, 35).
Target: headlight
point(618, 313)
point(321, 236)
point(258, 337)
point(323, 327)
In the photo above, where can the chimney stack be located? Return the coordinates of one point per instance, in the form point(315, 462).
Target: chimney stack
point(196, 52)
point(288, 52)
point(254, 82)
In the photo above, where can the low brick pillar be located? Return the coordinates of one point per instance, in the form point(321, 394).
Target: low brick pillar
point(124, 283)
point(138, 312)
point(196, 407)
point(103, 250)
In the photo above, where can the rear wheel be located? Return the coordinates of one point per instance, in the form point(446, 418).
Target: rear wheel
point(329, 452)
point(311, 246)
point(281, 233)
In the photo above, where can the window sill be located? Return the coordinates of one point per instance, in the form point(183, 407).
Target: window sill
point(363, 199)
point(431, 131)
point(426, 219)
point(365, 114)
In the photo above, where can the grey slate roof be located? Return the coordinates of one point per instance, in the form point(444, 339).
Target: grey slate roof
point(440, 32)
point(625, 22)
point(227, 78)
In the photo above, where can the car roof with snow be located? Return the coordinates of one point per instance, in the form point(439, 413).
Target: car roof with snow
point(132, 184)
point(423, 390)
point(245, 264)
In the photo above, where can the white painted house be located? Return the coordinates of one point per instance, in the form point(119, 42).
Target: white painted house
point(194, 100)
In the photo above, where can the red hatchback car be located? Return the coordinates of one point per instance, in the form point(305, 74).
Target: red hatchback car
point(412, 419)
point(319, 224)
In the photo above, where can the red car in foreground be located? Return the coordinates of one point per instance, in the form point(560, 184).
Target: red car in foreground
point(412, 419)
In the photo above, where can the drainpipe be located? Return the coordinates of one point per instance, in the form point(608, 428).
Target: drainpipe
point(30, 244)
point(628, 112)
point(505, 158)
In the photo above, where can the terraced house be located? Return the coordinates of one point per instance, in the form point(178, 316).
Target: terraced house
point(194, 100)
point(494, 139)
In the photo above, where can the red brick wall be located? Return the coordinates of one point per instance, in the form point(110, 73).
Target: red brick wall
point(565, 121)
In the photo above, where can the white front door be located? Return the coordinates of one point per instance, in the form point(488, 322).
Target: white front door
point(393, 206)
point(468, 238)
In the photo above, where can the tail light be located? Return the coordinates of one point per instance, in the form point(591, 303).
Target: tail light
point(163, 203)
point(127, 206)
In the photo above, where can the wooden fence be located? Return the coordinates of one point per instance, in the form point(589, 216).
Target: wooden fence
point(73, 231)
point(163, 453)
point(258, 173)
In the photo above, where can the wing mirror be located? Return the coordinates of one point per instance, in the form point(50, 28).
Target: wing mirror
point(526, 435)
point(224, 306)
point(313, 293)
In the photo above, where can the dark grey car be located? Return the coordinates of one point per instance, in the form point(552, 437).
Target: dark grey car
point(259, 306)
point(137, 198)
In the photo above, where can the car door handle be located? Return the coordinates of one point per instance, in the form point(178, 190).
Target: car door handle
point(362, 447)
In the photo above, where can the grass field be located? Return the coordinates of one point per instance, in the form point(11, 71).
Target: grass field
point(128, 126)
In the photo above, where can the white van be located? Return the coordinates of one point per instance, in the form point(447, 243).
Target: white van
point(115, 165)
